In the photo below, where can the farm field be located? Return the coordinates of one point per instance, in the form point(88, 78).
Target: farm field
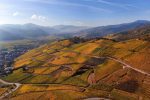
point(64, 68)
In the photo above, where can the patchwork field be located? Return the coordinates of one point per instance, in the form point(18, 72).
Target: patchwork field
point(64, 70)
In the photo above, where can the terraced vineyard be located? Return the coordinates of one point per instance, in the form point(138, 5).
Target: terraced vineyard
point(65, 70)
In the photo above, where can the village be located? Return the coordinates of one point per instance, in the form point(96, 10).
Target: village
point(7, 57)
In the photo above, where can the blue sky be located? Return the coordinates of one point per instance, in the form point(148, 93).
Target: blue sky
point(73, 12)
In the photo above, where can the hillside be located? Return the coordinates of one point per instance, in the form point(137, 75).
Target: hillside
point(137, 33)
point(26, 31)
point(32, 31)
point(69, 28)
point(111, 29)
point(96, 68)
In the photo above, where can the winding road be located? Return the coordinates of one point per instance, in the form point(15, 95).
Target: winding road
point(12, 90)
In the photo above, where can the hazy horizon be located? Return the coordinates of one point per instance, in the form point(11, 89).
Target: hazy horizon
point(74, 25)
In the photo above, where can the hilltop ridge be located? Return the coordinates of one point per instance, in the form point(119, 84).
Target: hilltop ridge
point(32, 31)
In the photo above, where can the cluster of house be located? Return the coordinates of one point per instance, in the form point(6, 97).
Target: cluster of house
point(7, 57)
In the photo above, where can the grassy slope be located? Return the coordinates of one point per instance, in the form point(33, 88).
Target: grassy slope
point(50, 59)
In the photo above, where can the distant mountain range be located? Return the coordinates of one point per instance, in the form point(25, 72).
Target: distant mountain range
point(140, 33)
point(69, 28)
point(32, 31)
point(27, 31)
point(111, 29)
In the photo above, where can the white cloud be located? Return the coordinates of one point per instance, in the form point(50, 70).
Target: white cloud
point(34, 17)
point(38, 17)
point(16, 13)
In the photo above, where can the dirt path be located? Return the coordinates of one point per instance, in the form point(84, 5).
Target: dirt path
point(91, 78)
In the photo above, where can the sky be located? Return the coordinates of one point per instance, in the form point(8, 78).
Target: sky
point(73, 12)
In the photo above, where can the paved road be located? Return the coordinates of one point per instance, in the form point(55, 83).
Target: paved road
point(12, 90)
